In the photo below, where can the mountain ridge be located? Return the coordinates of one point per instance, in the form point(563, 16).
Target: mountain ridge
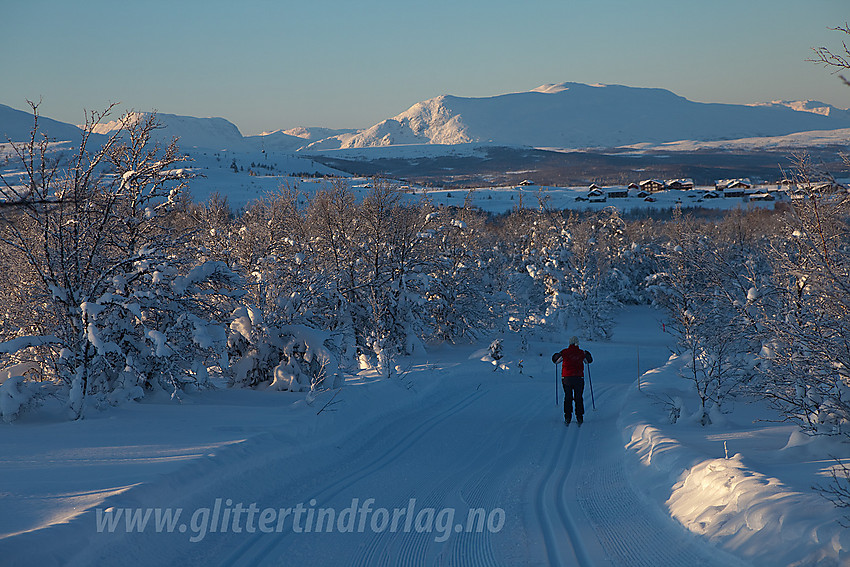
point(555, 115)
point(16, 125)
point(576, 115)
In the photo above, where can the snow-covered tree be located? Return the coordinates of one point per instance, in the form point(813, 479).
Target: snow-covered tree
point(523, 297)
point(334, 236)
point(807, 355)
point(394, 247)
point(115, 308)
point(592, 276)
point(577, 263)
point(273, 338)
point(279, 357)
point(460, 281)
point(700, 301)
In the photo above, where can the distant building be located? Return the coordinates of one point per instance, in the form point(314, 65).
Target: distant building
point(526, 182)
point(761, 197)
point(724, 184)
point(823, 189)
point(617, 192)
point(681, 184)
point(596, 196)
point(652, 185)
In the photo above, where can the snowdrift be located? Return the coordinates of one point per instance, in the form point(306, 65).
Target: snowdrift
point(723, 496)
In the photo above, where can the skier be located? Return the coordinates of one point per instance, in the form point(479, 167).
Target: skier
point(572, 378)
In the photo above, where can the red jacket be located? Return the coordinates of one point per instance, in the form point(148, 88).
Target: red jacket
point(573, 361)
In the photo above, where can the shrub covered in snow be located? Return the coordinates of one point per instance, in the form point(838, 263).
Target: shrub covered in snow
point(579, 264)
point(289, 357)
point(495, 350)
point(115, 306)
point(16, 394)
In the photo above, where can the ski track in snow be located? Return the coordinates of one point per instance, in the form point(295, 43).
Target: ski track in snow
point(497, 442)
point(467, 487)
point(579, 506)
point(551, 507)
point(258, 549)
point(630, 529)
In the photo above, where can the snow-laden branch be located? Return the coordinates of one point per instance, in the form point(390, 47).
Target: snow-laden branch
point(20, 343)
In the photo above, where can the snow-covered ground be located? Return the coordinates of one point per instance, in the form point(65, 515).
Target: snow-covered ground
point(241, 189)
point(745, 483)
point(247, 170)
point(790, 142)
point(258, 174)
point(446, 435)
point(505, 199)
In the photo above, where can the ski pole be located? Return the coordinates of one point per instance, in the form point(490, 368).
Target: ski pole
point(556, 383)
point(590, 381)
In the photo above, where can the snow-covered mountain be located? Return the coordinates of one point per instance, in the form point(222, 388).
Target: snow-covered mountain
point(278, 141)
point(220, 134)
point(208, 133)
point(313, 133)
point(813, 106)
point(562, 115)
point(575, 115)
point(16, 125)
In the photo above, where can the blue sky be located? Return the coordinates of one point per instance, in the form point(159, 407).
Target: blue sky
point(266, 65)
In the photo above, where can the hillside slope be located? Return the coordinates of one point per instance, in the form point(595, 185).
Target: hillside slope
point(16, 125)
point(574, 115)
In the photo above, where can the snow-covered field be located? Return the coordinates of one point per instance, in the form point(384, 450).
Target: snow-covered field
point(504, 199)
point(790, 142)
point(446, 435)
point(216, 176)
point(259, 174)
point(245, 175)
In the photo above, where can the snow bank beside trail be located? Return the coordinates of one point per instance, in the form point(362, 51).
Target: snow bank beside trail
point(757, 516)
point(751, 514)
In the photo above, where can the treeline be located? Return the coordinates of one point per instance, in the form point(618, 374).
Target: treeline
point(116, 285)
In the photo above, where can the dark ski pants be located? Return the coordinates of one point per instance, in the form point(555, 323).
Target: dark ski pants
point(573, 390)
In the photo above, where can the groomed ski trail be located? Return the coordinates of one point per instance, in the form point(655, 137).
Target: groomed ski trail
point(564, 489)
point(490, 440)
